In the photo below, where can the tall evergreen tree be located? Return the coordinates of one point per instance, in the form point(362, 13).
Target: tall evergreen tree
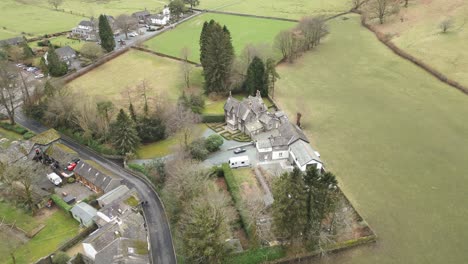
point(216, 56)
point(256, 78)
point(289, 216)
point(105, 34)
point(271, 76)
point(56, 67)
point(124, 135)
point(133, 115)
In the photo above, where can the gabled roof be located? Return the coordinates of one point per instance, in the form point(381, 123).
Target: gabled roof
point(84, 211)
point(16, 151)
point(61, 153)
point(263, 143)
point(46, 138)
point(124, 251)
point(12, 41)
point(97, 177)
point(231, 104)
point(304, 153)
point(141, 13)
point(292, 133)
point(113, 195)
point(86, 23)
point(66, 51)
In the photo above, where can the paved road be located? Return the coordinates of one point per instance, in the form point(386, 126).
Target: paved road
point(162, 250)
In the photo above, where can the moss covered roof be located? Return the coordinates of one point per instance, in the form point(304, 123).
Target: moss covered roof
point(47, 137)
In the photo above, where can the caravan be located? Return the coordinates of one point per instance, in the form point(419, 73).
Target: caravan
point(236, 162)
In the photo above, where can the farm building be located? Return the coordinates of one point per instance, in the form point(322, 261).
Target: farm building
point(84, 213)
point(95, 179)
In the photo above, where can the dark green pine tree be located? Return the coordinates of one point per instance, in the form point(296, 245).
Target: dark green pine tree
point(105, 34)
point(133, 115)
point(218, 55)
point(123, 134)
point(27, 51)
point(289, 216)
point(203, 37)
point(256, 78)
point(56, 67)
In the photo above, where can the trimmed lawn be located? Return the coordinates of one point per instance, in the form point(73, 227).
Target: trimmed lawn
point(243, 30)
point(62, 41)
point(395, 136)
point(112, 80)
point(17, 18)
point(421, 36)
point(60, 227)
point(23, 220)
point(165, 147)
point(280, 8)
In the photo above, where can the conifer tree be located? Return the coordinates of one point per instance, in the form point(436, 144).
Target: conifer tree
point(255, 79)
point(131, 110)
point(56, 67)
point(105, 34)
point(124, 135)
point(271, 76)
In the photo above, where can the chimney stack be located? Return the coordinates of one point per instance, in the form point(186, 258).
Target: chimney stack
point(258, 94)
point(298, 119)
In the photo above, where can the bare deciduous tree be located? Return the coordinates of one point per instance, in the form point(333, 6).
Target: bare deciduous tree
point(186, 67)
point(8, 86)
point(181, 122)
point(126, 23)
point(283, 42)
point(312, 29)
point(446, 24)
point(92, 51)
point(381, 9)
point(61, 109)
point(55, 3)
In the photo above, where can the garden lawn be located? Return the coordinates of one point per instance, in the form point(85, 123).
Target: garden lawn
point(165, 147)
point(62, 41)
point(243, 30)
point(10, 214)
point(112, 7)
point(421, 36)
point(396, 138)
point(17, 18)
point(279, 8)
point(112, 80)
point(60, 227)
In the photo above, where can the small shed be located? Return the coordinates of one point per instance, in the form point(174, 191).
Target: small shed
point(84, 213)
point(69, 199)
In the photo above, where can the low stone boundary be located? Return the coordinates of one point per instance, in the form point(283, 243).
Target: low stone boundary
point(405, 55)
point(164, 55)
point(73, 241)
point(245, 15)
point(48, 36)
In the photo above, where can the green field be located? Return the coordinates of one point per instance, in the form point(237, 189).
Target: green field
point(243, 30)
point(62, 41)
point(396, 138)
point(280, 8)
point(112, 80)
point(33, 20)
point(110, 7)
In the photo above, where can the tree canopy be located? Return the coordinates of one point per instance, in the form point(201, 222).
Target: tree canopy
point(256, 78)
point(124, 135)
point(106, 34)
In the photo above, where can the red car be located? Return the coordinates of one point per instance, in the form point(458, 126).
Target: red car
point(71, 166)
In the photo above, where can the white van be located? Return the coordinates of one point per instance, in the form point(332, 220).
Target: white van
point(236, 162)
point(54, 178)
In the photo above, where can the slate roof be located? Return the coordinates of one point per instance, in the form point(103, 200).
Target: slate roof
point(84, 211)
point(262, 144)
point(122, 251)
point(98, 178)
point(113, 195)
point(86, 23)
point(141, 13)
point(292, 133)
point(254, 126)
point(16, 151)
point(66, 51)
point(61, 153)
point(304, 152)
point(12, 41)
point(231, 104)
point(46, 138)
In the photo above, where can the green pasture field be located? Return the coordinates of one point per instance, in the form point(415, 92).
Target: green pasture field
point(244, 30)
point(395, 136)
point(62, 41)
point(281, 8)
point(112, 80)
point(18, 18)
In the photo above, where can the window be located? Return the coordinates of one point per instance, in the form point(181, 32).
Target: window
point(242, 162)
point(281, 154)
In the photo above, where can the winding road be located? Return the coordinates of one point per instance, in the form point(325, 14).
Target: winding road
point(162, 249)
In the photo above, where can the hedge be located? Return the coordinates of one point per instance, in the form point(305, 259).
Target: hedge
point(15, 128)
point(212, 118)
point(234, 190)
point(28, 135)
point(61, 203)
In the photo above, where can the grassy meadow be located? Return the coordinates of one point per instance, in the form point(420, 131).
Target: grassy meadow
point(396, 138)
point(18, 18)
point(62, 41)
point(114, 79)
point(420, 34)
point(283, 8)
point(243, 30)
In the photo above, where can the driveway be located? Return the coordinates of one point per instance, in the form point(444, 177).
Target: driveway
point(160, 239)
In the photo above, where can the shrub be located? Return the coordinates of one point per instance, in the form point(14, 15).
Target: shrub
point(60, 203)
point(213, 142)
point(28, 135)
point(71, 180)
point(198, 149)
point(60, 258)
point(15, 128)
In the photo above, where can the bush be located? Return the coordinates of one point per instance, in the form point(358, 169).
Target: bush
point(60, 258)
point(139, 168)
point(60, 203)
point(71, 180)
point(28, 135)
point(198, 149)
point(15, 128)
point(213, 142)
point(212, 118)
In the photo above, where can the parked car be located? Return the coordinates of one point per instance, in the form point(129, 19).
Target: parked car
point(31, 69)
point(54, 178)
point(19, 65)
point(239, 150)
point(71, 166)
point(39, 76)
point(151, 29)
point(133, 34)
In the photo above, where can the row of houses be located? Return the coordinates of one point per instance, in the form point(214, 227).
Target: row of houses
point(276, 138)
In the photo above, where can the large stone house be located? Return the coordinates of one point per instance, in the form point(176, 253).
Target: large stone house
point(85, 30)
point(276, 138)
